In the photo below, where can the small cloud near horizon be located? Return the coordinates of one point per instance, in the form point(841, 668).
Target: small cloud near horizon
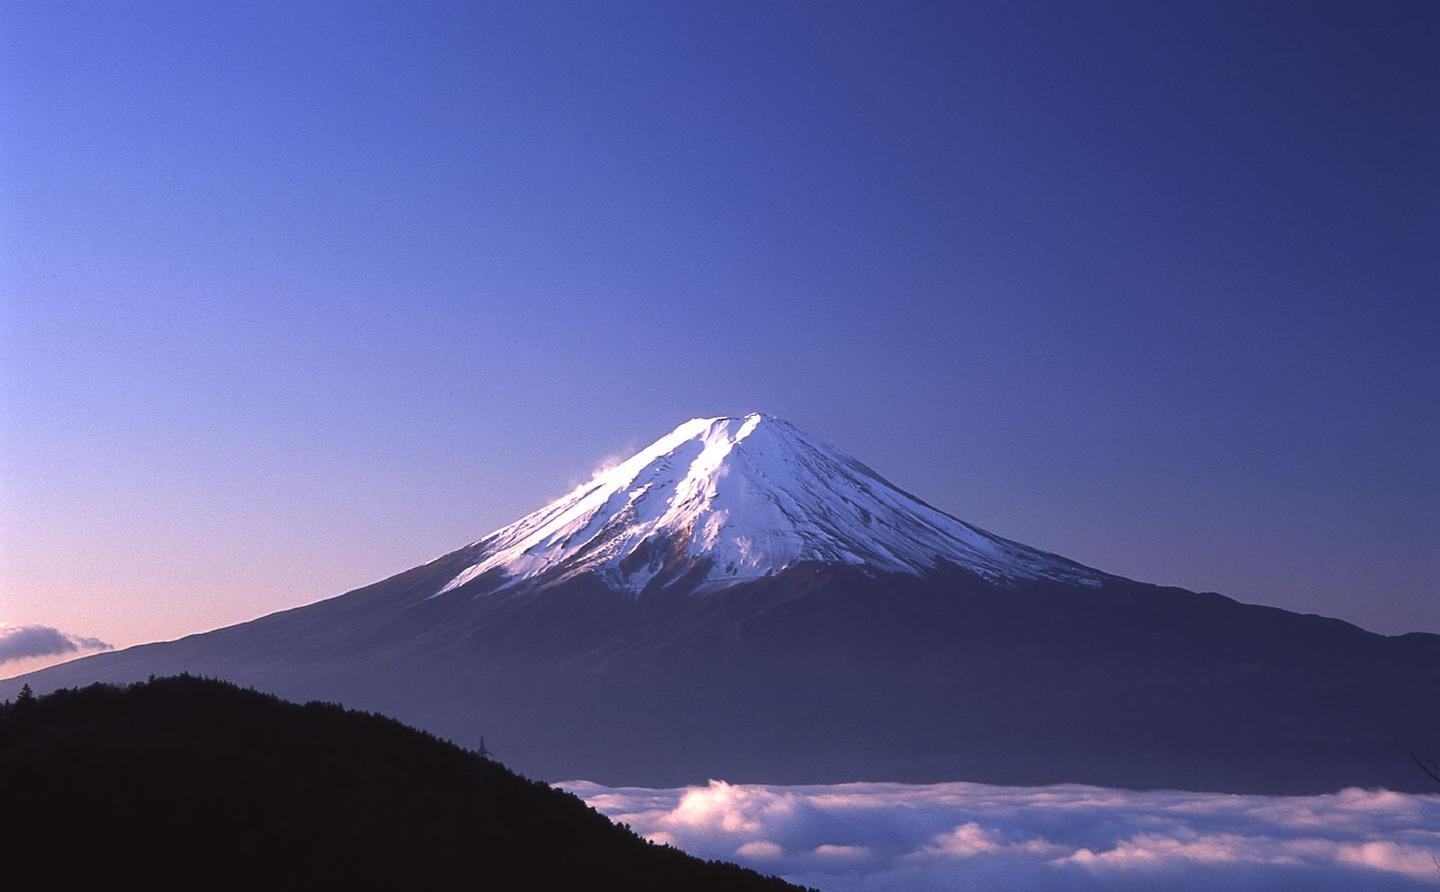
point(31, 641)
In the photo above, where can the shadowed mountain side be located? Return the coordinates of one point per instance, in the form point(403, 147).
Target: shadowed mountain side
point(197, 782)
point(826, 674)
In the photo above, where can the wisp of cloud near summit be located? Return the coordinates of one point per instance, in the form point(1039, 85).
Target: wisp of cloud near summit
point(955, 836)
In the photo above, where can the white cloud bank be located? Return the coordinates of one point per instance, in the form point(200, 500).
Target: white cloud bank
point(961, 836)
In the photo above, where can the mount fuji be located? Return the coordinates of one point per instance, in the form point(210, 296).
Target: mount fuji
point(740, 600)
point(720, 501)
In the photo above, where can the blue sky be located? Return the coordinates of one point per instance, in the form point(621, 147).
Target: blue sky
point(299, 295)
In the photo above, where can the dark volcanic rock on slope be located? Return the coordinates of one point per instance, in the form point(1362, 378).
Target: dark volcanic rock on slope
point(193, 783)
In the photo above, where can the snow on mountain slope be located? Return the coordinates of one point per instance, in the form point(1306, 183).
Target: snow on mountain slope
point(724, 500)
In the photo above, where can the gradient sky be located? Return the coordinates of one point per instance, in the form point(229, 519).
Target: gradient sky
point(296, 296)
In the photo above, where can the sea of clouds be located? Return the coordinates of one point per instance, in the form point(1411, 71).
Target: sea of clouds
point(962, 836)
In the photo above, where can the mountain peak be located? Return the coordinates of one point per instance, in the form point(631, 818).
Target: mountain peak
point(730, 499)
point(730, 427)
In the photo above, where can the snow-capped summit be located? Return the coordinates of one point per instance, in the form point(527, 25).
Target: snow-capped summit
point(724, 500)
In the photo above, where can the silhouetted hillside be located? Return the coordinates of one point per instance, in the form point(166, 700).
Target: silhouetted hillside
point(184, 781)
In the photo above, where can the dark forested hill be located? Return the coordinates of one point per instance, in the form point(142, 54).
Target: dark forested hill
point(199, 783)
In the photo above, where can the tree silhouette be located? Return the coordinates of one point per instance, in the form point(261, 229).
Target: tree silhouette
point(1430, 766)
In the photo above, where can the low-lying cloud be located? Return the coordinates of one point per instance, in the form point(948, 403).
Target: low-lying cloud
point(961, 836)
point(21, 642)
